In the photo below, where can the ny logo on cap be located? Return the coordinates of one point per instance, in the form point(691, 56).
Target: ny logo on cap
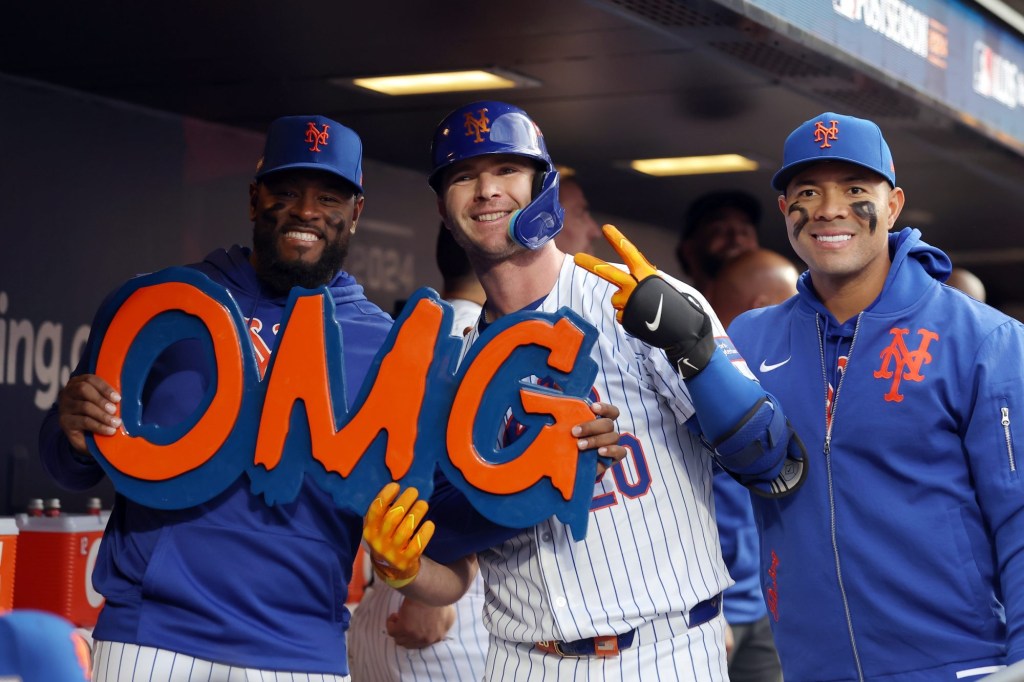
point(475, 126)
point(316, 137)
point(823, 134)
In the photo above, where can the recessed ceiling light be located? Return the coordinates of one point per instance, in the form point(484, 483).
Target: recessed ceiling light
point(447, 81)
point(694, 165)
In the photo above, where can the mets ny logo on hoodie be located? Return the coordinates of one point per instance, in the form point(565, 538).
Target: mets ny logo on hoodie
point(899, 362)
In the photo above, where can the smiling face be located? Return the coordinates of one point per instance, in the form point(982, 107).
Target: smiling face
point(302, 223)
point(838, 216)
point(477, 200)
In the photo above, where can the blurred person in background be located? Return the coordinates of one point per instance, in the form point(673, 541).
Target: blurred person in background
point(36, 646)
point(579, 229)
point(967, 282)
point(751, 280)
point(718, 226)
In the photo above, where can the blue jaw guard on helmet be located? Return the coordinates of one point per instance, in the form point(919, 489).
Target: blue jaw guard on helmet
point(542, 218)
point(489, 128)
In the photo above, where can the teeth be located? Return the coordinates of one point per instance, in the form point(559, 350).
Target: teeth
point(487, 217)
point(302, 236)
point(833, 237)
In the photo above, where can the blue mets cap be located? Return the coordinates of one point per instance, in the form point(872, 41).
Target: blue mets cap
point(313, 142)
point(36, 646)
point(835, 137)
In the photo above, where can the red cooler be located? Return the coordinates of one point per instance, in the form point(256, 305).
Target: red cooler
point(54, 566)
point(8, 553)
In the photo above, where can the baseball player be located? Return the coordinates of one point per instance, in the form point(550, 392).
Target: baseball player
point(233, 589)
point(750, 280)
point(903, 556)
point(641, 594)
point(382, 650)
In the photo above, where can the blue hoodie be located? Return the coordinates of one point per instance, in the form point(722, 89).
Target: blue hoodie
point(233, 580)
point(902, 557)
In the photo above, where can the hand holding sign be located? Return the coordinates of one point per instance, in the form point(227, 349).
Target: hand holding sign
point(600, 434)
point(87, 404)
point(395, 536)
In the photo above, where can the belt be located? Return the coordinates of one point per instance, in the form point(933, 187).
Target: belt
point(611, 645)
point(705, 611)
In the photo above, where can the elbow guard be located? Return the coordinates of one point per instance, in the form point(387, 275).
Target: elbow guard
point(763, 452)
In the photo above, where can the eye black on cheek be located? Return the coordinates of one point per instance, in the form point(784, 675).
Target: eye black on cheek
point(800, 223)
point(335, 219)
point(866, 210)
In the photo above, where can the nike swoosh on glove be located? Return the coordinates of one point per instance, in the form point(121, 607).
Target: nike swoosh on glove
point(653, 310)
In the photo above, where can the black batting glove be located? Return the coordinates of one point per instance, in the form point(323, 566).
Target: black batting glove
point(664, 317)
point(652, 310)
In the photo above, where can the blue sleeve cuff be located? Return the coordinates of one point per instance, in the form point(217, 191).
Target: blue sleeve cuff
point(71, 470)
point(722, 396)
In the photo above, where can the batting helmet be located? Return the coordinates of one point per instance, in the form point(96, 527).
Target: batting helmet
point(486, 128)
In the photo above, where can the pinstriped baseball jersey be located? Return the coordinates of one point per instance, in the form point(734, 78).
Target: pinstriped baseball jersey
point(118, 662)
point(374, 656)
point(652, 545)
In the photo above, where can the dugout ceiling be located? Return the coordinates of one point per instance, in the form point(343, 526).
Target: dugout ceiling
point(619, 79)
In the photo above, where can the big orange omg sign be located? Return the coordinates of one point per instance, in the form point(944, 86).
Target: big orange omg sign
point(413, 412)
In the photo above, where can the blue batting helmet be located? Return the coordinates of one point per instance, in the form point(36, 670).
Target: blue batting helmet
point(487, 128)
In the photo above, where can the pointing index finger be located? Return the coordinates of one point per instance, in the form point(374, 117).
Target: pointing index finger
point(638, 265)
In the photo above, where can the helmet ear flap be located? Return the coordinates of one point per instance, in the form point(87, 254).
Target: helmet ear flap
point(542, 218)
point(538, 181)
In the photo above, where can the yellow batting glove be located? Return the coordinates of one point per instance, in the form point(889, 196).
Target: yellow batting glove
point(639, 267)
point(392, 529)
